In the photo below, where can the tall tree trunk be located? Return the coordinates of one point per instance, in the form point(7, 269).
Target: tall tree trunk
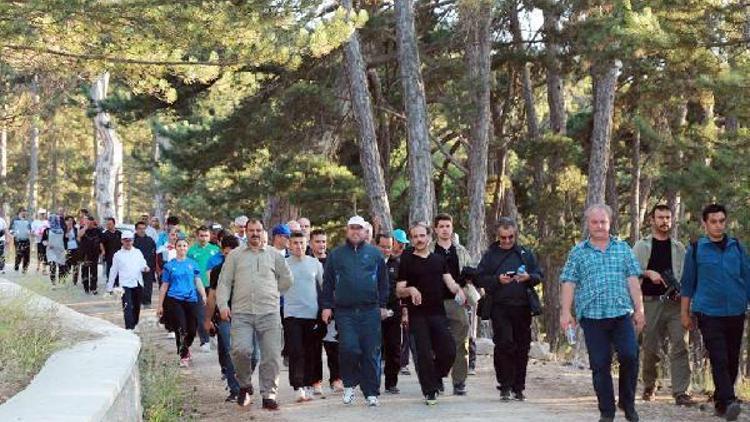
point(160, 206)
point(384, 130)
point(604, 76)
point(109, 157)
point(34, 148)
point(635, 188)
point(611, 195)
point(421, 189)
point(4, 167)
point(369, 156)
point(476, 16)
point(555, 92)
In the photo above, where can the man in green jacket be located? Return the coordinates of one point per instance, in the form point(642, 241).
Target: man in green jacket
point(661, 258)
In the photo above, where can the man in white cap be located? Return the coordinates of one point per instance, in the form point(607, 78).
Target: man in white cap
point(240, 225)
point(357, 273)
point(129, 265)
point(37, 229)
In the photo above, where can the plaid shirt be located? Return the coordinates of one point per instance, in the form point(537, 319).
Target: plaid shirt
point(601, 279)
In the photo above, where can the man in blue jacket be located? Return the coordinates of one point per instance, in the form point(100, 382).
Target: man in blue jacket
point(355, 284)
point(716, 287)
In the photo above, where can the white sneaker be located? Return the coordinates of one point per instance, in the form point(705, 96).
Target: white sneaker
point(372, 401)
point(317, 389)
point(348, 395)
point(206, 347)
point(170, 335)
point(300, 394)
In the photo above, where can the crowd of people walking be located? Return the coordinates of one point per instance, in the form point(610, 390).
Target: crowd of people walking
point(280, 297)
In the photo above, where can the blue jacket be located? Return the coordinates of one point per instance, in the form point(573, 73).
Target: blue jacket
point(720, 285)
point(354, 276)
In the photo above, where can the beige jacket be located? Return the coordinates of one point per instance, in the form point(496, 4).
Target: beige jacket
point(642, 251)
point(253, 281)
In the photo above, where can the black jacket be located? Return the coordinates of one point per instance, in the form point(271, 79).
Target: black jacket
point(147, 246)
point(497, 261)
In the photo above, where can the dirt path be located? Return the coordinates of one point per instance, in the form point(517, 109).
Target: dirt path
point(555, 392)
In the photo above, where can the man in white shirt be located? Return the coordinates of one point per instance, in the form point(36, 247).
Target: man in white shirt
point(37, 230)
point(129, 265)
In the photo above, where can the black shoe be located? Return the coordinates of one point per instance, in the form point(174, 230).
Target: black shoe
point(441, 387)
point(632, 416)
point(243, 398)
point(505, 394)
point(518, 396)
point(684, 399)
point(733, 411)
point(606, 419)
point(392, 390)
point(231, 397)
point(94, 292)
point(459, 390)
point(270, 404)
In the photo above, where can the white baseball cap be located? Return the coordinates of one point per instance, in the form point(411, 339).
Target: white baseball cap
point(127, 234)
point(356, 221)
point(41, 211)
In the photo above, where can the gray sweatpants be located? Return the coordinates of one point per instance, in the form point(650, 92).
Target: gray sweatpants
point(268, 329)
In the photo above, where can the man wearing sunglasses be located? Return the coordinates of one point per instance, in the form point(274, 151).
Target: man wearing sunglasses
point(506, 271)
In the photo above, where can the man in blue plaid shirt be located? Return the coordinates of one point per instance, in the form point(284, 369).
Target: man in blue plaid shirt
point(602, 272)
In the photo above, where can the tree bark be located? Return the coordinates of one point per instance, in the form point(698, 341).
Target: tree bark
point(476, 17)
point(34, 148)
point(635, 188)
point(421, 189)
point(368, 144)
point(383, 130)
point(604, 76)
point(109, 157)
point(555, 93)
point(160, 206)
point(612, 197)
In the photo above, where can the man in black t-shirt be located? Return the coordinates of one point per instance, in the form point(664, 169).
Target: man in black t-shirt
point(661, 256)
point(423, 280)
point(89, 238)
point(111, 243)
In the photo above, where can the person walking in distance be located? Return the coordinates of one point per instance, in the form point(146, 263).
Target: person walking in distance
point(423, 279)
point(111, 241)
point(128, 265)
point(391, 326)
point(507, 271)
point(602, 274)
point(355, 284)
point(90, 251)
point(147, 245)
point(254, 277)
point(20, 229)
point(662, 257)
point(715, 289)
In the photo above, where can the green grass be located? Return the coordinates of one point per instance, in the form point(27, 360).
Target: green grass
point(163, 393)
point(27, 339)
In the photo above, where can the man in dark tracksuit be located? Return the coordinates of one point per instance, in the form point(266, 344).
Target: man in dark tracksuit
point(147, 246)
point(392, 325)
point(356, 272)
point(89, 239)
point(507, 271)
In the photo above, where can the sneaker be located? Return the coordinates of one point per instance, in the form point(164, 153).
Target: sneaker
point(206, 347)
point(733, 411)
point(392, 390)
point(405, 371)
point(632, 416)
point(518, 396)
point(185, 362)
point(505, 394)
point(317, 389)
point(243, 397)
point(231, 397)
point(300, 394)
point(684, 399)
point(94, 292)
point(430, 399)
point(337, 386)
point(270, 404)
point(472, 371)
point(169, 334)
point(606, 419)
point(648, 393)
point(372, 401)
point(348, 395)
point(459, 389)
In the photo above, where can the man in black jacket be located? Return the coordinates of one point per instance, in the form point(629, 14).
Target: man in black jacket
point(507, 271)
point(89, 238)
point(391, 325)
point(144, 243)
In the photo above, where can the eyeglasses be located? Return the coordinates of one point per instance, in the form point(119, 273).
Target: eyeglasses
point(511, 237)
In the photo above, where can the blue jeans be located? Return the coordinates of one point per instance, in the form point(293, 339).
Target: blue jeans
point(359, 348)
point(601, 335)
point(225, 360)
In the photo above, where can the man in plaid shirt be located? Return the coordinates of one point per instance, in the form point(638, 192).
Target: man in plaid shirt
point(602, 272)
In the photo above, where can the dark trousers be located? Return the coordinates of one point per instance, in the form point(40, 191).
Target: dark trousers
point(435, 349)
point(2, 255)
point(89, 276)
point(392, 349)
point(299, 337)
point(148, 287)
point(23, 251)
point(359, 348)
point(201, 314)
point(601, 335)
point(183, 316)
point(722, 337)
point(57, 272)
point(405, 346)
point(332, 356)
point(472, 353)
point(511, 327)
point(131, 305)
point(224, 344)
point(71, 265)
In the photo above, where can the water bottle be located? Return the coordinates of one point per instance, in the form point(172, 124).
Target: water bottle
point(459, 300)
point(570, 333)
point(521, 269)
point(389, 313)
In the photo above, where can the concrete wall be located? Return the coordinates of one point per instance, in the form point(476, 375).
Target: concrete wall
point(94, 380)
